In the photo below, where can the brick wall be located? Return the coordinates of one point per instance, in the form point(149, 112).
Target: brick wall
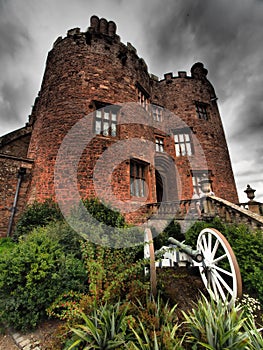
point(9, 168)
point(83, 69)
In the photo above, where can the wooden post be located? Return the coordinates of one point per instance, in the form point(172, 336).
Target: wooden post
point(153, 280)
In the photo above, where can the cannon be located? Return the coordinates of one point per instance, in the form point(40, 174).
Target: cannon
point(213, 256)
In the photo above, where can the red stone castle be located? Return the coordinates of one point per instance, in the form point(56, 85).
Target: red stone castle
point(162, 136)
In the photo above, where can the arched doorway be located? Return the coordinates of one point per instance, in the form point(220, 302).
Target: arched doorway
point(166, 179)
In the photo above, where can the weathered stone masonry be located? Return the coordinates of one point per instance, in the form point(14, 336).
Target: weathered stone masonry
point(85, 71)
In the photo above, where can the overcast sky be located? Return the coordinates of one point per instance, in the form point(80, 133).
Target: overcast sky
point(171, 35)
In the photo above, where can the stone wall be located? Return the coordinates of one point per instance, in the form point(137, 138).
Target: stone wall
point(9, 170)
point(85, 70)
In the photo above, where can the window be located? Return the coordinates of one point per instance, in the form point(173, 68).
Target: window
point(197, 176)
point(106, 121)
point(159, 145)
point(157, 113)
point(183, 144)
point(138, 179)
point(143, 98)
point(201, 110)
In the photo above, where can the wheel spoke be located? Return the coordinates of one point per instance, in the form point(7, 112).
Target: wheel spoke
point(222, 270)
point(219, 258)
point(216, 282)
point(205, 242)
point(209, 242)
point(201, 247)
point(215, 249)
point(219, 271)
point(223, 282)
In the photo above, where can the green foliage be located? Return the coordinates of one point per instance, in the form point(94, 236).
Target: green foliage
point(156, 325)
point(103, 213)
point(141, 325)
point(112, 272)
point(35, 215)
point(66, 306)
point(248, 248)
point(105, 328)
point(68, 239)
point(215, 326)
point(172, 230)
point(254, 335)
point(6, 244)
point(192, 234)
point(32, 275)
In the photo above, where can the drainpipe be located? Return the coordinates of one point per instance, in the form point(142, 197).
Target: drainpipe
point(20, 175)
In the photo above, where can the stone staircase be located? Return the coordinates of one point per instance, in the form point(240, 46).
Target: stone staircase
point(186, 213)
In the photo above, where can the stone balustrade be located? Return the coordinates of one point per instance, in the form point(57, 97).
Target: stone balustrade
point(210, 207)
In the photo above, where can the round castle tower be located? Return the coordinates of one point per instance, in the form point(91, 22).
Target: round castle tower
point(87, 71)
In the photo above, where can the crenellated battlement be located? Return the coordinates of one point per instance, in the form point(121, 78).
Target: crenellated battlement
point(94, 69)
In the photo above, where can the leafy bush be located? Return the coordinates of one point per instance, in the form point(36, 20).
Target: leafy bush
point(155, 325)
point(6, 244)
point(172, 230)
point(31, 277)
point(35, 215)
point(112, 272)
point(104, 213)
point(213, 325)
point(105, 328)
point(141, 325)
point(68, 239)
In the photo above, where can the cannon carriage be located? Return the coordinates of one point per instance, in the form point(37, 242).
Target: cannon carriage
point(213, 257)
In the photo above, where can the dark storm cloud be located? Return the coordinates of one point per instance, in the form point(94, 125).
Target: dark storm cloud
point(12, 98)
point(13, 38)
point(14, 86)
point(227, 37)
point(171, 35)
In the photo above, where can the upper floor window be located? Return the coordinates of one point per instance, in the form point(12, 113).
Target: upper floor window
point(143, 97)
point(197, 177)
point(183, 143)
point(138, 171)
point(159, 144)
point(201, 110)
point(157, 113)
point(106, 121)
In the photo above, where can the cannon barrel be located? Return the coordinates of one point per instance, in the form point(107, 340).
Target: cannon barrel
point(195, 254)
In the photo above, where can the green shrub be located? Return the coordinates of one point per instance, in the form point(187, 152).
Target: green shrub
point(105, 328)
point(104, 213)
point(213, 325)
point(112, 272)
point(6, 244)
point(172, 230)
point(35, 215)
point(32, 275)
point(248, 248)
point(155, 325)
point(68, 239)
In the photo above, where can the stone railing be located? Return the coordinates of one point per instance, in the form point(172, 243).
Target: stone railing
point(255, 207)
point(177, 209)
point(210, 207)
point(229, 212)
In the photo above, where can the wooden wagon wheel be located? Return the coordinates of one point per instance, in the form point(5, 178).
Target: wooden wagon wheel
point(149, 253)
point(219, 271)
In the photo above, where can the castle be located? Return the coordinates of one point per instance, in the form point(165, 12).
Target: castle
point(162, 136)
